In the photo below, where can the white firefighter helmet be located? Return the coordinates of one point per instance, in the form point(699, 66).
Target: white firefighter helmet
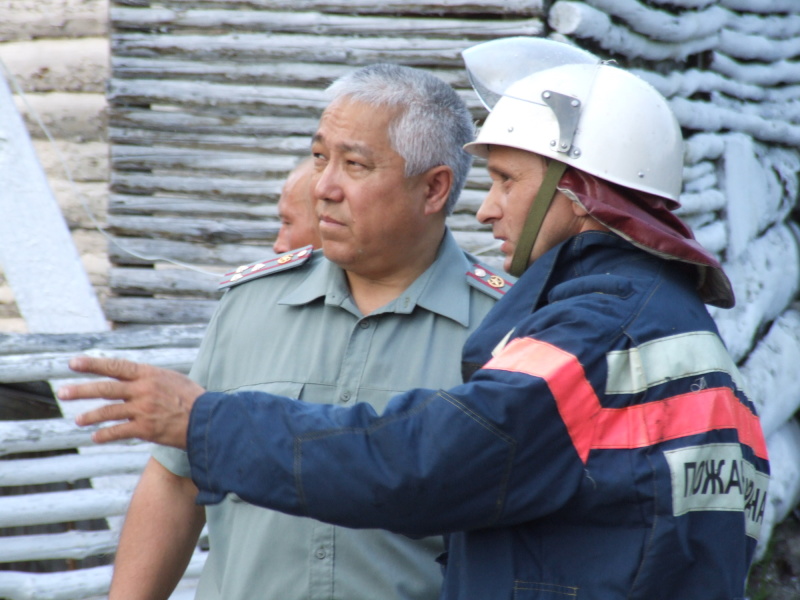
point(592, 116)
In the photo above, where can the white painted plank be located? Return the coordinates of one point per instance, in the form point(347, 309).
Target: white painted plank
point(70, 545)
point(39, 259)
point(69, 467)
point(54, 365)
point(61, 507)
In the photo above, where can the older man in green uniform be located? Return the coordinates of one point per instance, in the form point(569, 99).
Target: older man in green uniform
point(387, 307)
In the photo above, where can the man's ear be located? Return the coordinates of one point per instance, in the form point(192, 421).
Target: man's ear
point(439, 181)
point(578, 210)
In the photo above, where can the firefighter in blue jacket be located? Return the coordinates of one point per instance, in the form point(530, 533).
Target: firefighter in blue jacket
point(602, 446)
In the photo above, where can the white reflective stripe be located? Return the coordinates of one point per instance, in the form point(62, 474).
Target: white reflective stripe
point(502, 343)
point(715, 477)
point(685, 355)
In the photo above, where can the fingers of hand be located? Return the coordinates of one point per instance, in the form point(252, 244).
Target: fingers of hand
point(109, 389)
point(110, 412)
point(117, 368)
point(122, 431)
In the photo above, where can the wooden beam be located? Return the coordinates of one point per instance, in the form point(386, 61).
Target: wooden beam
point(52, 290)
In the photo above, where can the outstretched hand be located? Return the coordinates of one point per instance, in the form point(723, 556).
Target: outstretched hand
point(156, 402)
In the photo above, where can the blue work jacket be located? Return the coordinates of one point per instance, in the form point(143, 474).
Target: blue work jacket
point(602, 448)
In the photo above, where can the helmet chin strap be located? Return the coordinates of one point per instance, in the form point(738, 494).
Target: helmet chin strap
point(533, 222)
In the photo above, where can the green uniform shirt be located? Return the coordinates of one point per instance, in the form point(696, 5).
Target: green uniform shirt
point(298, 333)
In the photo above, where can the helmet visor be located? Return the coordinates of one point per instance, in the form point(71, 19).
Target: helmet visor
point(494, 66)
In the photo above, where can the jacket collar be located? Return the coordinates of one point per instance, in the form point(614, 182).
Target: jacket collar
point(442, 288)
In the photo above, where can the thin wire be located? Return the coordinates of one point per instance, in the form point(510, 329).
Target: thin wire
point(17, 88)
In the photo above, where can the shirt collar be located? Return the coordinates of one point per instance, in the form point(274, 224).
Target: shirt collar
point(442, 288)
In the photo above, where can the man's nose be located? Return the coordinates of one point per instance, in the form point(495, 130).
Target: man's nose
point(327, 185)
point(489, 211)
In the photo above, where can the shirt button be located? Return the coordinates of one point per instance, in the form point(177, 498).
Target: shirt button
point(345, 396)
point(364, 324)
point(320, 553)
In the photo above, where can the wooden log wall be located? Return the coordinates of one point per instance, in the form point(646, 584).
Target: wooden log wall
point(33, 459)
point(212, 103)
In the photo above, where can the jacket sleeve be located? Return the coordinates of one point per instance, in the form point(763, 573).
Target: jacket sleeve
point(490, 452)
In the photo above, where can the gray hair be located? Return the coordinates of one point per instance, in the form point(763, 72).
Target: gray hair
point(432, 124)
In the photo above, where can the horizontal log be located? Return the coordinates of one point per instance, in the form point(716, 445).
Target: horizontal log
point(142, 282)
point(705, 116)
point(253, 190)
point(201, 160)
point(282, 73)
point(30, 19)
point(69, 467)
point(142, 251)
point(206, 231)
point(693, 81)
point(354, 51)
point(662, 25)
point(783, 110)
point(475, 241)
point(159, 310)
point(69, 585)
point(276, 101)
point(692, 4)
point(122, 204)
point(701, 202)
point(70, 545)
point(54, 365)
point(403, 7)
point(181, 20)
point(42, 434)
point(763, 6)
point(703, 146)
point(61, 507)
point(470, 200)
point(173, 336)
point(582, 21)
point(63, 65)
point(773, 25)
point(767, 75)
point(696, 176)
point(757, 47)
point(272, 100)
point(210, 122)
point(294, 146)
point(463, 222)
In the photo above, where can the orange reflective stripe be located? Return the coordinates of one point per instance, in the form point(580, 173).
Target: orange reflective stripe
point(688, 414)
point(591, 426)
point(575, 398)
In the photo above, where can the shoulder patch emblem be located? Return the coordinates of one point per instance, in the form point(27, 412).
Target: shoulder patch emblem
point(281, 262)
point(490, 282)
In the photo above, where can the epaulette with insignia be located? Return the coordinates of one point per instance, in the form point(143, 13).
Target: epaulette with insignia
point(282, 262)
point(490, 282)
